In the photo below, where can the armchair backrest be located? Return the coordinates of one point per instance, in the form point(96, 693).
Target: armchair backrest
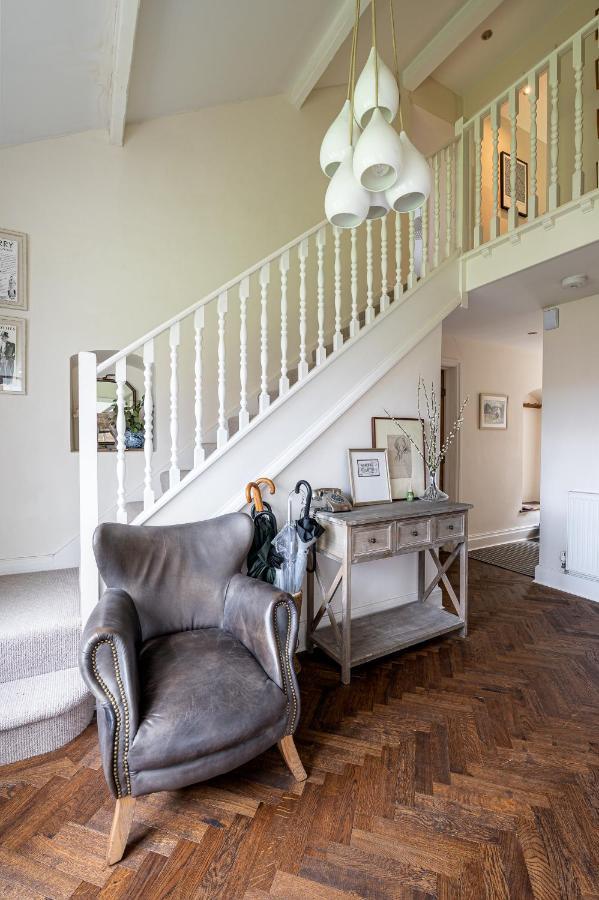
point(176, 575)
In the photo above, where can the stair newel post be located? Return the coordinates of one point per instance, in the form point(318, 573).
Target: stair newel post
point(174, 339)
point(384, 263)
point(478, 145)
point(148, 358)
point(512, 216)
point(222, 432)
point(302, 369)
point(338, 336)
point(369, 275)
point(284, 271)
point(494, 223)
point(244, 293)
point(264, 400)
point(412, 249)
point(321, 239)
point(354, 325)
point(198, 329)
point(398, 248)
point(120, 374)
point(533, 96)
point(424, 267)
point(578, 62)
point(448, 199)
point(88, 482)
point(554, 72)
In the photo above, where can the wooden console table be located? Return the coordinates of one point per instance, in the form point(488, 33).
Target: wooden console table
point(379, 532)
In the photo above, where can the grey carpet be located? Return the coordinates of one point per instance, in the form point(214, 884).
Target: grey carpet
point(520, 556)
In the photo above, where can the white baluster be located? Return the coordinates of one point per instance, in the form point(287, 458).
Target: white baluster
point(222, 432)
point(174, 339)
point(369, 275)
point(321, 351)
point(448, 200)
point(424, 268)
point(578, 62)
point(494, 224)
point(478, 231)
point(120, 378)
point(302, 252)
point(244, 293)
point(436, 213)
point(512, 216)
point(148, 357)
point(384, 285)
point(284, 269)
point(354, 325)
point(533, 94)
point(338, 336)
point(398, 248)
point(264, 399)
point(412, 247)
point(554, 68)
point(198, 328)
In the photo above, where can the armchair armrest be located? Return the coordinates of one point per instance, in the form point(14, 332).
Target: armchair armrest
point(108, 665)
point(265, 620)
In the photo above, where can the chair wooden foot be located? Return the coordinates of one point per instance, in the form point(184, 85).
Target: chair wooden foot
point(121, 825)
point(291, 757)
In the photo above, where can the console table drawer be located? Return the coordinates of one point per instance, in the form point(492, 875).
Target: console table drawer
point(415, 532)
point(450, 527)
point(371, 541)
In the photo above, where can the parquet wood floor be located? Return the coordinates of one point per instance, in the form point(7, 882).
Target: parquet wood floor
point(462, 769)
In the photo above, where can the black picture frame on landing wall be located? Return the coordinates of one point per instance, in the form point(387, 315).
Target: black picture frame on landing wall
point(521, 183)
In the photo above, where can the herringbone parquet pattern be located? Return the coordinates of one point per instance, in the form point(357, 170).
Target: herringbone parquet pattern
point(464, 769)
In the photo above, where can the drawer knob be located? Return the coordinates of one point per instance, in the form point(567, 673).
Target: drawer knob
point(372, 540)
point(450, 527)
point(415, 532)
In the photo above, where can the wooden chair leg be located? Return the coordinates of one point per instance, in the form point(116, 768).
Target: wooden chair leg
point(121, 825)
point(291, 757)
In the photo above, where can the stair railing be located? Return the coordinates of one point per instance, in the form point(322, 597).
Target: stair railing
point(342, 282)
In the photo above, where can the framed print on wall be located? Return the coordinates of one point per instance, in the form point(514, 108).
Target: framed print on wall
point(505, 161)
point(493, 411)
point(406, 466)
point(13, 355)
point(13, 269)
point(369, 476)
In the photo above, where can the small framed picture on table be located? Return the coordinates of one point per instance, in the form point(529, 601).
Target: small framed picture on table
point(369, 476)
point(404, 440)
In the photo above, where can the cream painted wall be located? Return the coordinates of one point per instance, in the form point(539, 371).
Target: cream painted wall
point(531, 453)
point(491, 461)
point(570, 433)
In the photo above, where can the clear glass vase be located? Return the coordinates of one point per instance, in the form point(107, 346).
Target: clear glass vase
point(433, 493)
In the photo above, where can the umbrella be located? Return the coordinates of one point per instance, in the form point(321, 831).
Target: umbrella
point(295, 541)
point(262, 559)
point(285, 544)
point(308, 532)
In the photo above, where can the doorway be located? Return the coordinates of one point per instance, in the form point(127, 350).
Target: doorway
point(450, 405)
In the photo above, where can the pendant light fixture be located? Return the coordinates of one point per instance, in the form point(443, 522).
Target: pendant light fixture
point(365, 102)
point(334, 144)
point(378, 206)
point(346, 202)
point(377, 157)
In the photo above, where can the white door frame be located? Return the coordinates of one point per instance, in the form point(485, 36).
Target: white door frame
point(450, 416)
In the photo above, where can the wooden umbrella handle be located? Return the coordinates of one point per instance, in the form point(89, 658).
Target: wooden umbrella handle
point(267, 481)
point(253, 494)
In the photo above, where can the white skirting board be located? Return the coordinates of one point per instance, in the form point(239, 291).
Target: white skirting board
point(503, 536)
point(570, 584)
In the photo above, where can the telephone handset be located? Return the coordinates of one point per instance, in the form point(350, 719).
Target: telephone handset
point(330, 500)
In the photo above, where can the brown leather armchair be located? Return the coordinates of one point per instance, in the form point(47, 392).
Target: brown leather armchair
point(191, 662)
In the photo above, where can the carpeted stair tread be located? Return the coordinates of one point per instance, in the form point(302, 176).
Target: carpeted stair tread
point(41, 697)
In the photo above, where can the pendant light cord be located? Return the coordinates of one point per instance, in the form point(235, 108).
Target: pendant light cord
point(395, 60)
point(352, 73)
point(376, 54)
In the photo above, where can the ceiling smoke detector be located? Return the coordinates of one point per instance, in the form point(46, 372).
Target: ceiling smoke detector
point(574, 281)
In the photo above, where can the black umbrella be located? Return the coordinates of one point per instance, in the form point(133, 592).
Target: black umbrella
point(308, 531)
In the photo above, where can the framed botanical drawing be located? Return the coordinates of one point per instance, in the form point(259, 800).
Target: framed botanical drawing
point(505, 162)
point(369, 476)
point(406, 466)
point(13, 356)
point(493, 411)
point(13, 269)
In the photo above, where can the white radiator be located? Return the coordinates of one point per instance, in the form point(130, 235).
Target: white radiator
point(583, 534)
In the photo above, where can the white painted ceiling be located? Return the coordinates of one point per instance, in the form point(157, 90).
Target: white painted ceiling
point(505, 311)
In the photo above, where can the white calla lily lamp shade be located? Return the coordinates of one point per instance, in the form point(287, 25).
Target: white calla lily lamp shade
point(378, 155)
point(412, 188)
point(346, 202)
point(335, 141)
point(365, 93)
point(378, 206)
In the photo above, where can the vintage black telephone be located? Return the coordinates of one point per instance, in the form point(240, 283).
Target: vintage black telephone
point(330, 500)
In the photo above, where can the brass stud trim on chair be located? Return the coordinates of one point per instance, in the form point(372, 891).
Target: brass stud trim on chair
point(117, 714)
point(287, 676)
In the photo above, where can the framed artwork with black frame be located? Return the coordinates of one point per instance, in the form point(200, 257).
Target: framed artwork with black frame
point(505, 161)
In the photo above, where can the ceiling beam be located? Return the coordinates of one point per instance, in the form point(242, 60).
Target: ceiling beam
point(127, 14)
point(324, 52)
point(456, 30)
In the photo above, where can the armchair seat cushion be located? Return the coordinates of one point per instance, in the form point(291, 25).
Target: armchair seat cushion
point(201, 692)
